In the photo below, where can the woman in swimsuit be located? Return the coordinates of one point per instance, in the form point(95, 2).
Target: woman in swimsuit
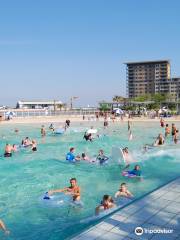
point(159, 141)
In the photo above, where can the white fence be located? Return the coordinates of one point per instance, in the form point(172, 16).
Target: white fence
point(38, 113)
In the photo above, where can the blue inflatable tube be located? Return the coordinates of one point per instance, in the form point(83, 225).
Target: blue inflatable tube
point(59, 131)
point(60, 200)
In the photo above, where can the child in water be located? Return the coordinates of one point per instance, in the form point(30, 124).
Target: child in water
point(123, 192)
point(106, 204)
point(136, 171)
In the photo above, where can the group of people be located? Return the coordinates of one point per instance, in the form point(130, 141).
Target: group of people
point(173, 131)
point(107, 202)
point(10, 149)
point(160, 140)
point(101, 157)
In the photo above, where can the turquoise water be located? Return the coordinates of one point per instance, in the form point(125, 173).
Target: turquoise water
point(26, 176)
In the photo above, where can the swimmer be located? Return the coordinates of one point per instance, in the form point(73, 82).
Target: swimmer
point(125, 153)
point(26, 142)
point(88, 137)
point(73, 190)
point(71, 157)
point(84, 157)
point(136, 171)
point(8, 150)
point(43, 131)
point(101, 157)
point(67, 123)
point(159, 141)
point(106, 203)
point(173, 130)
point(175, 137)
point(129, 125)
point(15, 148)
point(34, 146)
point(3, 227)
point(167, 130)
point(16, 130)
point(51, 127)
point(162, 122)
point(123, 192)
point(106, 122)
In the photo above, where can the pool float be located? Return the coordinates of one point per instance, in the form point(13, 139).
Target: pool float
point(128, 174)
point(97, 161)
point(102, 161)
point(61, 199)
point(91, 131)
point(59, 131)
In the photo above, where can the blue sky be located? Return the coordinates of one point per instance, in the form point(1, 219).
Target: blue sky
point(58, 49)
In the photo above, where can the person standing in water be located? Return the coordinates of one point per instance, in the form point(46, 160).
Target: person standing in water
point(43, 131)
point(162, 123)
point(173, 130)
point(71, 157)
point(106, 203)
point(8, 150)
point(160, 140)
point(34, 146)
point(129, 125)
point(73, 190)
point(105, 122)
point(167, 130)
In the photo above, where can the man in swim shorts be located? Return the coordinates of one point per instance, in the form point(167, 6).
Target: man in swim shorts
point(73, 190)
point(8, 150)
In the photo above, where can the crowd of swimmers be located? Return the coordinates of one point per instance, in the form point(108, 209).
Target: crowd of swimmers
point(74, 190)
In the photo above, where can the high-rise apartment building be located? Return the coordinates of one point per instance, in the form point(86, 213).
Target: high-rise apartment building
point(146, 77)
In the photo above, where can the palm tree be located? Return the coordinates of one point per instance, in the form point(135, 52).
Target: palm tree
point(118, 99)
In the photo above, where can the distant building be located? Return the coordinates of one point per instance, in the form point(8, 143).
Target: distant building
point(146, 77)
point(39, 104)
point(175, 87)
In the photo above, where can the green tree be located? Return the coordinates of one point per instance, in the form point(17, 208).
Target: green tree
point(118, 99)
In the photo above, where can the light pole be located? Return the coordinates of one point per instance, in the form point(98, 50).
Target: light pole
point(71, 101)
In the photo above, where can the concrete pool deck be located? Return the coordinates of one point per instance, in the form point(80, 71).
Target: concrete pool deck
point(160, 210)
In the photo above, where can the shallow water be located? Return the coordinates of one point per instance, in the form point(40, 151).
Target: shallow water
point(27, 176)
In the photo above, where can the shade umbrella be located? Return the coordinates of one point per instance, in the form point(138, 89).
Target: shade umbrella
point(10, 114)
point(119, 111)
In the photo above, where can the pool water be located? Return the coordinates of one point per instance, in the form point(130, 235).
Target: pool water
point(27, 176)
